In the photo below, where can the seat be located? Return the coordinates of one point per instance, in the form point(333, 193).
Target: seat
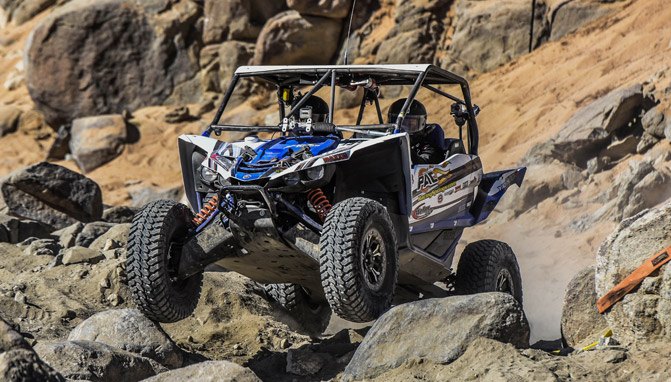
point(449, 146)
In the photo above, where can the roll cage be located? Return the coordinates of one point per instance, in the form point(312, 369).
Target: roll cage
point(351, 76)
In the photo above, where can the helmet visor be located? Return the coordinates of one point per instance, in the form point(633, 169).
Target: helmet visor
point(413, 123)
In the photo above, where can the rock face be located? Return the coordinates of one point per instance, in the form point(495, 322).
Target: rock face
point(237, 19)
point(140, 53)
point(568, 16)
point(291, 38)
point(580, 318)
point(130, 330)
point(18, 361)
point(93, 361)
point(437, 330)
point(644, 315)
point(336, 9)
point(97, 140)
point(209, 371)
point(479, 21)
point(78, 255)
point(52, 195)
point(23, 10)
point(641, 186)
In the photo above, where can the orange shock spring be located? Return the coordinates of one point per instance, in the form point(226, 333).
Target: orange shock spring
point(206, 211)
point(319, 202)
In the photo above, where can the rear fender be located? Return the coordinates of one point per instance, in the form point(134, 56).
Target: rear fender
point(491, 190)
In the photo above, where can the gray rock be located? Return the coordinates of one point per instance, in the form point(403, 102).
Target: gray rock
point(233, 54)
point(208, 371)
point(18, 361)
point(290, 39)
point(591, 129)
point(119, 214)
point(540, 182)
point(619, 149)
point(91, 232)
point(654, 122)
point(337, 9)
point(9, 119)
point(97, 140)
point(130, 330)
point(77, 255)
point(598, 164)
point(61, 146)
point(580, 318)
point(667, 132)
point(304, 362)
point(437, 330)
point(641, 186)
point(52, 195)
point(644, 315)
point(9, 229)
point(43, 247)
point(646, 143)
point(142, 195)
point(570, 15)
point(68, 235)
point(140, 54)
point(237, 19)
point(25, 10)
point(490, 33)
point(118, 234)
point(96, 362)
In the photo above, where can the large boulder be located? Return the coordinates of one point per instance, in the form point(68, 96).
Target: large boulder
point(52, 195)
point(593, 128)
point(130, 330)
point(133, 53)
point(96, 362)
point(644, 315)
point(580, 318)
point(569, 15)
point(640, 186)
point(18, 361)
point(416, 34)
point(237, 19)
point(95, 141)
point(209, 371)
point(437, 330)
point(490, 33)
point(291, 38)
point(337, 9)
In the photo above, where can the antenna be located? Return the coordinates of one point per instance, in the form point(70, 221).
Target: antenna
point(349, 31)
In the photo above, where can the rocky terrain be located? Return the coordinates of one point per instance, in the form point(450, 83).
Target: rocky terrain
point(94, 94)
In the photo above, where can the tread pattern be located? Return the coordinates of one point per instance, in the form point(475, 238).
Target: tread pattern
point(149, 240)
point(480, 265)
point(342, 278)
point(287, 295)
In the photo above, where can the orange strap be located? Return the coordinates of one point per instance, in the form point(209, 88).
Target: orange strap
point(633, 280)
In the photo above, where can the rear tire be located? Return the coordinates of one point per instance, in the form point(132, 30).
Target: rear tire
point(153, 257)
point(312, 315)
point(489, 266)
point(359, 259)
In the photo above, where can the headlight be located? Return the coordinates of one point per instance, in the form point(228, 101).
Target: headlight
point(208, 175)
point(292, 179)
point(315, 173)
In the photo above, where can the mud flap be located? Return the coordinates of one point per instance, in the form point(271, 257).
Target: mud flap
point(214, 243)
point(491, 189)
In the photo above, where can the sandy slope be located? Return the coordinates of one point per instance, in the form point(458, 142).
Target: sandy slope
point(524, 102)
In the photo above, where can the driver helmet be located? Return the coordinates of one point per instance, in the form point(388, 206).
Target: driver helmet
point(415, 118)
point(315, 108)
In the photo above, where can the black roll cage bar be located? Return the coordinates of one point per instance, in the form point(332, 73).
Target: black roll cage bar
point(427, 78)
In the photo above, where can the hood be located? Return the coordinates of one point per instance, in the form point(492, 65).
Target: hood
point(269, 155)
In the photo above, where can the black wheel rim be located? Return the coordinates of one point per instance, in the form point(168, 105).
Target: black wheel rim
point(373, 259)
point(504, 282)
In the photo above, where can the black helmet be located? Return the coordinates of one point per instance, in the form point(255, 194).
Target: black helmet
point(415, 117)
point(319, 109)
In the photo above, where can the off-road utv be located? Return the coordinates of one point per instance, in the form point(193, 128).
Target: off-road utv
point(327, 214)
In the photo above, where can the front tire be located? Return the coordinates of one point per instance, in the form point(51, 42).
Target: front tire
point(489, 266)
point(154, 249)
point(359, 259)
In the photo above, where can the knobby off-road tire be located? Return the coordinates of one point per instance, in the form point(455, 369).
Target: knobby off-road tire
point(313, 316)
point(359, 259)
point(489, 266)
point(154, 247)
